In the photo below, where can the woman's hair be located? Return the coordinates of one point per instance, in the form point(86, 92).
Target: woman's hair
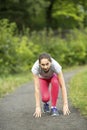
point(44, 56)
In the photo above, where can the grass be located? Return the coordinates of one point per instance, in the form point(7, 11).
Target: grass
point(78, 91)
point(9, 83)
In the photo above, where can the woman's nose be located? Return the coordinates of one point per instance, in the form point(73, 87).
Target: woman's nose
point(45, 66)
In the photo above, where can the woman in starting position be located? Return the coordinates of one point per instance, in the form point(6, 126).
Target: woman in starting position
point(48, 73)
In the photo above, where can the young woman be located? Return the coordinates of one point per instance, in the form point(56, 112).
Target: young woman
point(48, 73)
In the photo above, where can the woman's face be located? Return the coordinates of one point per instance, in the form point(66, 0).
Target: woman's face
point(45, 64)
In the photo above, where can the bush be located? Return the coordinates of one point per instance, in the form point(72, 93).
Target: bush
point(7, 45)
point(18, 53)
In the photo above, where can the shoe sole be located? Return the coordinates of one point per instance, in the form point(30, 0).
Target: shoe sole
point(46, 112)
point(55, 115)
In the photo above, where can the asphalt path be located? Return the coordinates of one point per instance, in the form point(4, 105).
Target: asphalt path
point(17, 108)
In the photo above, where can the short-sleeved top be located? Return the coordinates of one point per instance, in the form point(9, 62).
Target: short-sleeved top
point(55, 68)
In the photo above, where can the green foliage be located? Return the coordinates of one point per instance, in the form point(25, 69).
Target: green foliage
point(27, 53)
point(16, 53)
point(19, 52)
point(76, 42)
point(7, 45)
point(37, 14)
point(70, 13)
point(30, 13)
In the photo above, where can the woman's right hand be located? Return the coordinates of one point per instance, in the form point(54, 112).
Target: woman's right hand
point(37, 112)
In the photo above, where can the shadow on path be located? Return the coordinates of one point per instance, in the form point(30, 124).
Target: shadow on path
point(16, 112)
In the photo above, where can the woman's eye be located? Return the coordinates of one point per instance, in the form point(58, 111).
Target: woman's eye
point(47, 64)
point(43, 64)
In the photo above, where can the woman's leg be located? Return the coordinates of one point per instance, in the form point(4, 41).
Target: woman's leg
point(44, 89)
point(54, 90)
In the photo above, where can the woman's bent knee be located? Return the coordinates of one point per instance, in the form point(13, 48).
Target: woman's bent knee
point(45, 98)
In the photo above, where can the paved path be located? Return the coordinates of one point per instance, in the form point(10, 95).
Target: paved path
point(16, 112)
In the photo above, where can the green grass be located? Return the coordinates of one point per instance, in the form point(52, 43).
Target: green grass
point(78, 91)
point(9, 83)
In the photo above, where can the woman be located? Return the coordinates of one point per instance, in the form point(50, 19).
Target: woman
point(48, 73)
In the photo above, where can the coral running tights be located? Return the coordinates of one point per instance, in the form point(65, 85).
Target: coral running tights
point(46, 93)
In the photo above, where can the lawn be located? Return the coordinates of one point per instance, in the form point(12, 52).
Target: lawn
point(11, 82)
point(78, 91)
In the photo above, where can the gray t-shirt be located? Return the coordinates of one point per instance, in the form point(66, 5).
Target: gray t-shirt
point(55, 68)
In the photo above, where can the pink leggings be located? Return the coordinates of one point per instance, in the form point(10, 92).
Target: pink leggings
point(44, 88)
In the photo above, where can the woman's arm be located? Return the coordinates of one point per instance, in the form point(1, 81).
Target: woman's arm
point(37, 96)
point(64, 94)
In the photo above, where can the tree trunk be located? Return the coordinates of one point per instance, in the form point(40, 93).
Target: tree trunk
point(49, 14)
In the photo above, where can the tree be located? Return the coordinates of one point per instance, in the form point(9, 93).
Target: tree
point(68, 14)
point(37, 14)
point(28, 13)
point(49, 13)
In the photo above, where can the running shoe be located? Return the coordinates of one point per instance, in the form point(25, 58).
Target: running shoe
point(46, 108)
point(54, 112)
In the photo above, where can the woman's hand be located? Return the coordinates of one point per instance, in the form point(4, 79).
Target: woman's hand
point(66, 110)
point(37, 112)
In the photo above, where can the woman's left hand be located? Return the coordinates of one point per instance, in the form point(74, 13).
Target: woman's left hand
point(66, 110)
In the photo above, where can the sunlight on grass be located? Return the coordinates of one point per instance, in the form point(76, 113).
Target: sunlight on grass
point(78, 91)
point(10, 83)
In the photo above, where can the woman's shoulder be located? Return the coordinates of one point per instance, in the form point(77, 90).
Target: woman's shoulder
point(54, 61)
point(55, 65)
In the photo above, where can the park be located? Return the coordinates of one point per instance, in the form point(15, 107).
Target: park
point(28, 28)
